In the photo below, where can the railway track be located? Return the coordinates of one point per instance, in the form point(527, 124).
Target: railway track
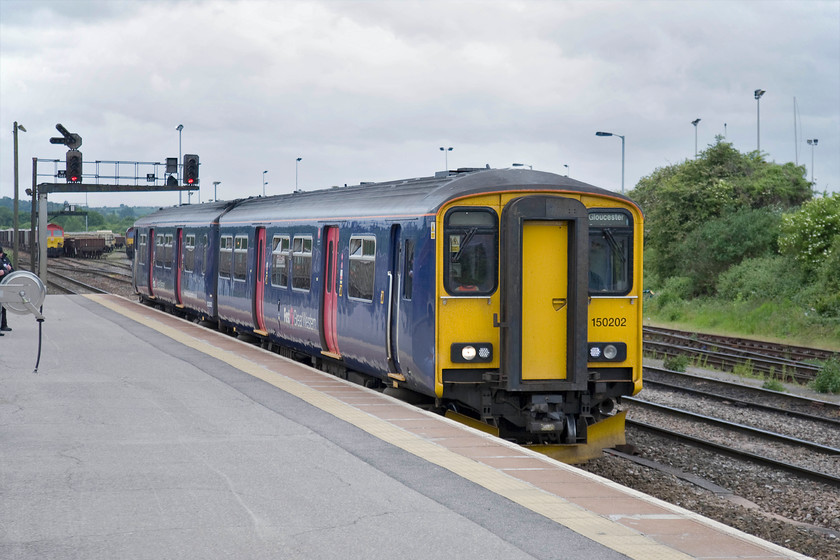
point(782, 362)
point(69, 285)
point(803, 458)
point(744, 396)
point(742, 345)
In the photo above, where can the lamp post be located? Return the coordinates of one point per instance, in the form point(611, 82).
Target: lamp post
point(264, 181)
point(215, 191)
point(622, 154)
point(567, 169)
point(812, 142)
point(297, 161)
point(758, 93)
point(15, 233)
point(694, 122)
point(446, 157)
point(179, 128)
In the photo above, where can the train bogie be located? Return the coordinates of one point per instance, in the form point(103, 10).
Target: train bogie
point(508, 296)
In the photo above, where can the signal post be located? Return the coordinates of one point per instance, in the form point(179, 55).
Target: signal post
point(74, 176)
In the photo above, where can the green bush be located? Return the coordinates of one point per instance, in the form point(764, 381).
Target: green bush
point(828, 379)
point(725, 241)
point(676, 363)
point(774, 385)
point(771, 277)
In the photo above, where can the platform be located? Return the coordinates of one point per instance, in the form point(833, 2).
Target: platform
point(146, 436)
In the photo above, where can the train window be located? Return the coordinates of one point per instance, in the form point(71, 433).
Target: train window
point(240, 257)
point(141, 256)
point(160, 251)
point(204, 247)
point(189, 253)
point(302, 263)
point(280, 260)
point(167, 251)
point(362, 267)
point(408, 270)
point(225, 255)
point(610, 252)
point(471, 236)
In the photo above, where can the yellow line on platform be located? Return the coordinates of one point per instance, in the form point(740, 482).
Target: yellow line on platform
point(592, 526)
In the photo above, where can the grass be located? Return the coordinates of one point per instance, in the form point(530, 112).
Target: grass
point(774, 321)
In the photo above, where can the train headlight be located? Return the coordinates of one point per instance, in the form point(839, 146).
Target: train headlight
point(471, 352)
point(607, 351)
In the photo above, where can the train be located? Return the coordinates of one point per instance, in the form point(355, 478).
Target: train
point(129, 243)
point(55, 240)
point(509, 299)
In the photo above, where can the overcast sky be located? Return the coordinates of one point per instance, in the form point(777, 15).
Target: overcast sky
point(370, 90)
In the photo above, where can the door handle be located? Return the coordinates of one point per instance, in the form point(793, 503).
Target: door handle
point(558, 303)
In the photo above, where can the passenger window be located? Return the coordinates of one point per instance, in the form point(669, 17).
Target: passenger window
point(225, 255)
point(141, 256)
point(160, 250)
point(471, 239)
point(167, 246)
point(302, 263)
point(280, 261)
point(610, 252)
point(408, 269)
point(240, 257)
point(362, 268)
point(189, 253)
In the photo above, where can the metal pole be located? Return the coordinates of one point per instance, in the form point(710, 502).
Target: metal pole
point(42, 237)
point(32, 259)
point(16, 233)
point(179, 129)
point(622, 164)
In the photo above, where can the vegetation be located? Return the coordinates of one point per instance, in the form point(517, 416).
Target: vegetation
point(828, 380)
point(739, 245)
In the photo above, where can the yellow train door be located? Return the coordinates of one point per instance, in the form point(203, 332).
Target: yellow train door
point(545, 294)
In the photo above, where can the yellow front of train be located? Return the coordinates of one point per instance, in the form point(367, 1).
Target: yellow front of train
point(539, 316)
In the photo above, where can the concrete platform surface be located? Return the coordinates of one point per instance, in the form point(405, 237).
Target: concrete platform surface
point(145, 436)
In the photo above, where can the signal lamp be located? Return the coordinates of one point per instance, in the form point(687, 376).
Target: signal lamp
point(191, 169)
point(73, 172)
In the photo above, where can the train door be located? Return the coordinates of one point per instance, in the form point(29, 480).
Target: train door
point(544, 295)
point(179, 265)
point(151, 262)
point(392, 334)
point(329, 329)
point(259, 282)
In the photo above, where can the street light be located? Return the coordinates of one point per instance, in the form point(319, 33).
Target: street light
point(15, 233)
point(812, 142)
point(758, 93)
point(179, 128)
point(264, 182)
point(297, 161)
point(567, 169)
point(622, 154)
point(215, 189)
point(694, 122)
point(446, 157)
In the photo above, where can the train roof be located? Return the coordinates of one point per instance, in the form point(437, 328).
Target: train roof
point(402, 198)
point(193, 214)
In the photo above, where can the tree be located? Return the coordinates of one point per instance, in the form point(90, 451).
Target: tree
point(810, 234)
point(681, 198)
